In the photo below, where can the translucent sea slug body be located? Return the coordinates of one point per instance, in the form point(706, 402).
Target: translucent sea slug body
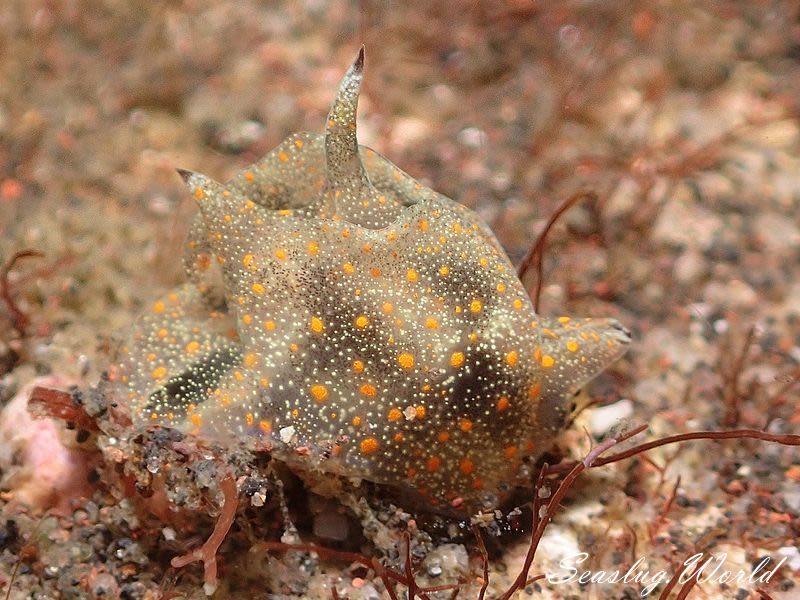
point(360, 324)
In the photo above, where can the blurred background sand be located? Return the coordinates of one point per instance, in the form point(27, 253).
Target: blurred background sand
point(680, 115)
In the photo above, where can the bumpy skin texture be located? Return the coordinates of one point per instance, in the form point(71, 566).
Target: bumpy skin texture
point(360, 323)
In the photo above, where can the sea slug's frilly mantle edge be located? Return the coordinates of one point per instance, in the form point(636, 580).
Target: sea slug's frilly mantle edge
point(360, 324)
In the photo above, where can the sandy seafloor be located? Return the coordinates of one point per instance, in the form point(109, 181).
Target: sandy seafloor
point(681, 116)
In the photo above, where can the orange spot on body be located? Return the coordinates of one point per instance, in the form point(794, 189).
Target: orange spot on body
point(406, 360)
point(457, 359)
point(319, 392)
point(369, 446)
point(317, 326)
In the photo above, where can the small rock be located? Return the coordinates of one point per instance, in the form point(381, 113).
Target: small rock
point(449, 559)
point(604, 418)
point(792, 553)
point(286, 434)
point(472, 137)
point(734, 294)
point(407, 132)
point(689, 267)
point(778, 233)
point(684, 223)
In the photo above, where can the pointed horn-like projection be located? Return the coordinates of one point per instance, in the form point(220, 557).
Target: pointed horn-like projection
point(577, 350)
point(199, 184)
point(348, 190)
point(341, 144)
point(185, 174)
point(209, 196)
